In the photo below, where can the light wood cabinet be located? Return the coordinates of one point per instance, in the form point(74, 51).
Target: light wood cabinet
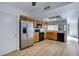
point(34, 24)
point(36, 37)
point(44, 24)
point(51, 35)
point(44, 35)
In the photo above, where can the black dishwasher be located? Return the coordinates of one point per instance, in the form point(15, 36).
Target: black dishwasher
point(41, 36)
point(60, 37)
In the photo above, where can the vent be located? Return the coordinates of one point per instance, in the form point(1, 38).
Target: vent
point(46, 8)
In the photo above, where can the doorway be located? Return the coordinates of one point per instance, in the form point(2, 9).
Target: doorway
point(72, 31)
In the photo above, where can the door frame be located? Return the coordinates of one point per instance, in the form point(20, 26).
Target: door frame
point(78, 29)
point(20, 33)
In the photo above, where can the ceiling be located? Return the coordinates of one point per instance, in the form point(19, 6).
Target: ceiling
point(38, 12)
point(27, 6)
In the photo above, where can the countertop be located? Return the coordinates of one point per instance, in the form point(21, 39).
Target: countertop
point(58, 31)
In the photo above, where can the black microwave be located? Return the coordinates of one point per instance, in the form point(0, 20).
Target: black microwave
point(39, 26)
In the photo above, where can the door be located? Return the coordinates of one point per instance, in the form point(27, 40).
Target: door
point(41, 36)
point(30, 32)
point(8, 33)
point(60, 37)
point(24, 42)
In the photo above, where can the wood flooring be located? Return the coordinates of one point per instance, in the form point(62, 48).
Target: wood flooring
point(50, 48)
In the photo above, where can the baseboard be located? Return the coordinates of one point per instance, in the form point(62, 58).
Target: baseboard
point(9, 53)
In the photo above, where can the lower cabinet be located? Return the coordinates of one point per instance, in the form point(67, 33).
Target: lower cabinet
point(41, 36)
point(36, 37)
point(51, 35)
point(60, 37)
point(55, 36)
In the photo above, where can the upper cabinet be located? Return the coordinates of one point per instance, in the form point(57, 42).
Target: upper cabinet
point(35, 22)
point(22, 18)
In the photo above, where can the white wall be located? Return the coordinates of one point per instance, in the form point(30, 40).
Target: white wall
point(72, 20)
point(73, 29)
point(13, 11)
point(52, 27)
point(72, 16)
point(8, 33)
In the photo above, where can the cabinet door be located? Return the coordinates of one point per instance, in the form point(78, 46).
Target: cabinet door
point(36, 37)
point(51, 35)
point(60, 37)
point(44, 35)
point(33, 23)
point(54, 35)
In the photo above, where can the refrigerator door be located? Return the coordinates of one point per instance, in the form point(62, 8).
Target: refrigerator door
point(30, 32)
point(24, 41)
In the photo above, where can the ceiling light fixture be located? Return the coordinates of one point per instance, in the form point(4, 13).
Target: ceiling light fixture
point(33, 3)
point(55, 18)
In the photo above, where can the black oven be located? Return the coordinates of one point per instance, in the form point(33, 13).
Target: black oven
point(37, 30)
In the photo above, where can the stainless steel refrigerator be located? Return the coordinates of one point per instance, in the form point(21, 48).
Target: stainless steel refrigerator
point(27, 32)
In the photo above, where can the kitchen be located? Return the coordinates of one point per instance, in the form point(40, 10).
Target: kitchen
point(41, 32)
point(39, 29)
